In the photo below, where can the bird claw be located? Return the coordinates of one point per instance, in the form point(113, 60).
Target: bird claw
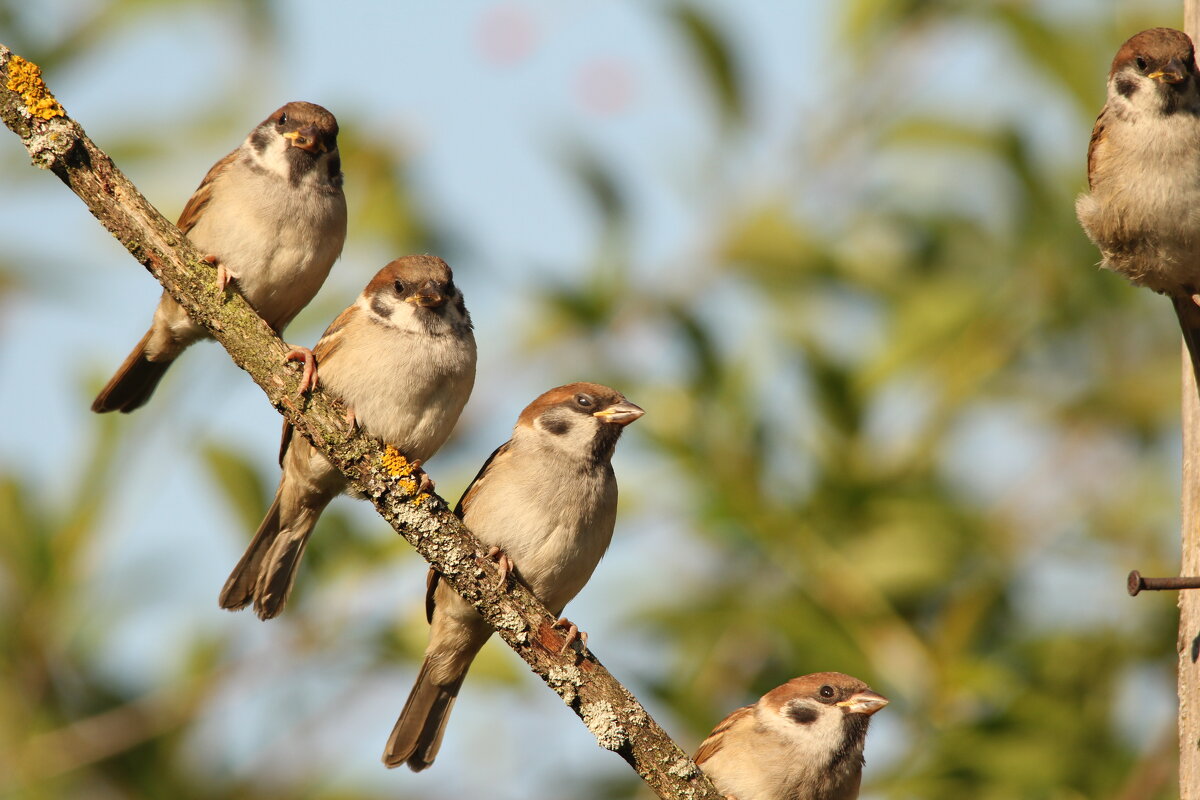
point(503, 563)
point(573, 635)
point(308, 379)
point(1196, 299)
point(424, 482)
point(224, 277)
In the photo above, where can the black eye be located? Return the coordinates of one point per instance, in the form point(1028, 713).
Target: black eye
point(1141, 63)
point(827, 691)
point(584, 401)
point(399, 286)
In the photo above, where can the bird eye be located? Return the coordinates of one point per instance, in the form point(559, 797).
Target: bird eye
point(399, 286)
point(826, 691)
point(1141, 63)
point(282, 119)
point(584, 401)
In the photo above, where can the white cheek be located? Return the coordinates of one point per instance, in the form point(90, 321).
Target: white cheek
point(273, 157)
point(810, 741)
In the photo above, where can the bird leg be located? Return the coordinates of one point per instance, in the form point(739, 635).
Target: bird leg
point(503, 563)
point(573, 634)
point(308, 379)
point(424, 482)
point(224, 276)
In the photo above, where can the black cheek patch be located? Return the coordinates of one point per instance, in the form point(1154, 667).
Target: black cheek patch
point(803, 714)
point(260, 139)
point(556, 425)
point(1126, 87)
point(381, 308)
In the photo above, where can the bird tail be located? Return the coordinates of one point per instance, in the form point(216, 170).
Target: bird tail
point(134, 381)
point(278, 568)
point(239, 587)
point(418, 733)
point(1189, 322)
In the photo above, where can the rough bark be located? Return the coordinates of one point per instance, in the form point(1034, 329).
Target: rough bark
point(619, 723)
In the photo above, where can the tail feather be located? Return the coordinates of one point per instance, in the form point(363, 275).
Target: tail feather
point(239, 587)
point(133, 383)
point(1189, 322)
point(278, 570)
point(417, 736)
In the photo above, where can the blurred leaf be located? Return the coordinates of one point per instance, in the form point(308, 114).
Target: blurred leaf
point(243, 488)
point(716, 59)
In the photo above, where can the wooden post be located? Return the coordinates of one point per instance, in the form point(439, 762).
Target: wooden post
point(1189, 601)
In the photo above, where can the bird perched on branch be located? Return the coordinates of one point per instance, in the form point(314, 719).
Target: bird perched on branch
point(271, 217)
point(801, 741)
point(1143, 205)
point(402, 358)
point(546, 502)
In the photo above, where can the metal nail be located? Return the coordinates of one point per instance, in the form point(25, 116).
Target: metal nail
point(1136, 583)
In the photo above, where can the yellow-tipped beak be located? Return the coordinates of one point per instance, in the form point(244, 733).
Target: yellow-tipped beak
point(306, 139)
point(1172, 73)
point(426, 299)
point(1166, 77)
point(619, 413)
point(865, 702)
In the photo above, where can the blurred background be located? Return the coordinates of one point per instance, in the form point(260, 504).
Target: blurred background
point(898, 424)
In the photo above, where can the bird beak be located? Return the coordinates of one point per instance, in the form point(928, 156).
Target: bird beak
point(1172, 73)
point(428, 296)
point(865, 702)
point(306, 139)
point(619, 413)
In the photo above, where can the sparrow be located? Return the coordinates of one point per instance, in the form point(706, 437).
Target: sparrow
point(271, 216)
point(1143, 206)
point(801, 741)
point(402, 359)
point(546, 502)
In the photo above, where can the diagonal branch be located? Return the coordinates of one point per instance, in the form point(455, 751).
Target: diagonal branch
point(611, 713)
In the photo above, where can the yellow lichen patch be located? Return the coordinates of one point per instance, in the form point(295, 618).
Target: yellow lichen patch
point(396, 464)
point(25, 78)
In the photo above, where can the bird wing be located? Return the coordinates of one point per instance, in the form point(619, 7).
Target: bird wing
point(203, 194)
point(1097, 141)
point(328, 342)
point(434, 576)
point(709, 747)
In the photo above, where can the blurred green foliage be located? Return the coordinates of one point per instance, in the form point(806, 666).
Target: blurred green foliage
point(819, 433)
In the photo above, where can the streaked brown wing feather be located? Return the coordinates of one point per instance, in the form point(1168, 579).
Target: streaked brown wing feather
point(328, 342)
point(203, 194)
point(709, 747)
point(285, 440)
point(331, 339)
point(1096, 142)
point(464, 502)
point(431, 581)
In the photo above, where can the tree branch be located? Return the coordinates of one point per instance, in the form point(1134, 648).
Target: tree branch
point(611, 713)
